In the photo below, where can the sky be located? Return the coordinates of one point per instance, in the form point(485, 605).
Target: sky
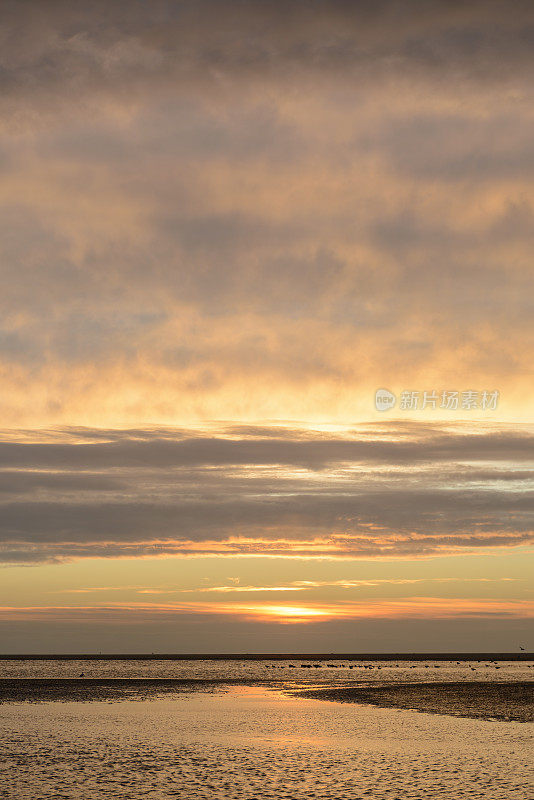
point(224, 227)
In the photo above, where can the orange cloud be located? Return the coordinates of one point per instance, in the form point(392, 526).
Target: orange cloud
point(407, 608)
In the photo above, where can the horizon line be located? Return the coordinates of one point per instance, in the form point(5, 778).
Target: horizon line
point(317, 656)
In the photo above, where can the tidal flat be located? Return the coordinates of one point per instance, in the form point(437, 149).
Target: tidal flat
point(505, 701)
point(252, 742)
point(89, 729)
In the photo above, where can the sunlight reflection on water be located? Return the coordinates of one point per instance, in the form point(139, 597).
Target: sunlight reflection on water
point(253, 743)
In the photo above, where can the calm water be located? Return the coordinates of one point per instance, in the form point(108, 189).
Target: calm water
point(252, 743)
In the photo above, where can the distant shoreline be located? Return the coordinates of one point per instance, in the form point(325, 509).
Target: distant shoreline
point(523, 656)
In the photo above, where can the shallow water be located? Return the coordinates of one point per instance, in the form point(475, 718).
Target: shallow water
point(373, 672)
point(250, 743)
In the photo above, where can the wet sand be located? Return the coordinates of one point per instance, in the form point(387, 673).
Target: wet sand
point(36, 690)
point(251, 743)
point(507, 701)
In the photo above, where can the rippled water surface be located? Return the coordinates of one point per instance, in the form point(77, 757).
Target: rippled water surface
point(250, 742)
point(302, 671)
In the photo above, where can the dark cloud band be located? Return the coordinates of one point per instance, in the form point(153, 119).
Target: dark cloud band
point(145, 492)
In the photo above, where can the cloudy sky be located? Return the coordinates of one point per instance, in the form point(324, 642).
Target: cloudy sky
point(224, 226)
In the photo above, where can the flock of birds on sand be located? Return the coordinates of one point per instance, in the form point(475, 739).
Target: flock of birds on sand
point(491, 664)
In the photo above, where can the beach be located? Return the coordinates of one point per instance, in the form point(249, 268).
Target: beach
point(89, 729)
point(251, 742)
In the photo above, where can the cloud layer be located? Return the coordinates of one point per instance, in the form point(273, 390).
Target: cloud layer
point(406, 491)
point(253, 213)
point(255, 210)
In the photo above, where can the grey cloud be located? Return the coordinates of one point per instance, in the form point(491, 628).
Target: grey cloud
point(104, 42)
point(219, 260)
point(24, 482)
point(162, 132)
point(461, 147)
point(160, 452)
point(21, 553)
point(393, 511)
point(172, 168)
point(164, 492)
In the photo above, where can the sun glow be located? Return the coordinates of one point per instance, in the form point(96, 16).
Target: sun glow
point(292, 613)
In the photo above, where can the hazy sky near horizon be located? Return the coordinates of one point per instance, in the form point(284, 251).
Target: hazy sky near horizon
point(223, 226)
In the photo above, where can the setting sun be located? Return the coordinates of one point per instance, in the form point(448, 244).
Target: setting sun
point(290, 613)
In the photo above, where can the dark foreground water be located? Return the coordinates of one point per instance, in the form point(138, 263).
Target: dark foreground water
point(252, 742)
